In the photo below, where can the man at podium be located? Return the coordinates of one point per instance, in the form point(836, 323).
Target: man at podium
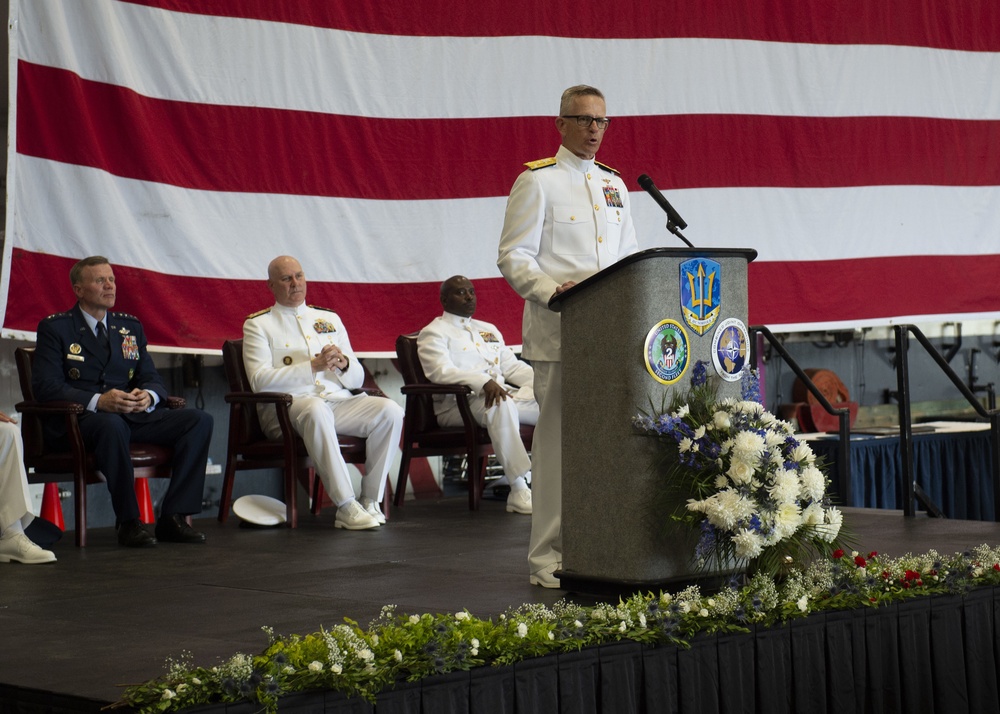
point(567, 218)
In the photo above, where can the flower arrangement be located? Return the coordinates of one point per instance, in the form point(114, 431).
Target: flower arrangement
point(754, 492)
point(396, 646)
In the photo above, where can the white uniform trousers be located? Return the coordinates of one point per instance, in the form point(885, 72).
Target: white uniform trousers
point(502, 421)
point(15, 499)
point(545, 545)
point(318, 422)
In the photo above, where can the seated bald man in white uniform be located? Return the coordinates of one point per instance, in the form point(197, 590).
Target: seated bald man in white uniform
point(15, 501)
point(456, 349)
point(304, 351)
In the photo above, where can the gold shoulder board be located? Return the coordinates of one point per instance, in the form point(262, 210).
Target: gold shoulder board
point(541, 163)
point(608, 168)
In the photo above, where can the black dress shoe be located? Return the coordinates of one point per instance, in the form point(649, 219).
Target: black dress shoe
point(174, 529)
point(133, 534)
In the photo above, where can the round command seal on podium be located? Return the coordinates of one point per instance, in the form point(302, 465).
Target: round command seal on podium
point(730, 349)
point(667, 351)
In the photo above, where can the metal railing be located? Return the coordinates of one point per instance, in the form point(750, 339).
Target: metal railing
point(842, 413)
point(911, 489)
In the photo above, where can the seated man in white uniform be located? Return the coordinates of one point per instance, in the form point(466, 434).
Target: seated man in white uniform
point(15, 502)
point(304, 351)
point(455, 349)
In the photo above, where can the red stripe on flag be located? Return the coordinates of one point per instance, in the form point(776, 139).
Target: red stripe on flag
point(173, 309)
point(202, 313)
point(64, 118)
point(872, 288)
point(967, 25)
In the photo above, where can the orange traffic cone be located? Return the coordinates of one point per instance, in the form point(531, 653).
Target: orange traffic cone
point(144, 500)
point(52, 507)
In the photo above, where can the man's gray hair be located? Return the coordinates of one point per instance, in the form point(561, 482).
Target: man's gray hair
point(580, 90)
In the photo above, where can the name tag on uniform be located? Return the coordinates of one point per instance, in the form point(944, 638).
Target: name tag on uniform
point(78, 358)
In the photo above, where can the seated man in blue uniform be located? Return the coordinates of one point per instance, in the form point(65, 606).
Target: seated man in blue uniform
point(304, 351)
point(456, 349)
point(98, 358)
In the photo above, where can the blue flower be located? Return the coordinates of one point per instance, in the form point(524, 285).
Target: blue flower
point(699, 374)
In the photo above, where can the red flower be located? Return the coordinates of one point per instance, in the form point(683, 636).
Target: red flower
point(873, 554)
point(838, 554)
point(912, 575)
point(996, 566)
point(885, 574)
point(860, 561)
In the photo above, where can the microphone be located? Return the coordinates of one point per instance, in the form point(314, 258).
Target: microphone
point(650, 188)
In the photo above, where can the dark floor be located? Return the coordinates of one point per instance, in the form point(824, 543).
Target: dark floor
point(104, 616)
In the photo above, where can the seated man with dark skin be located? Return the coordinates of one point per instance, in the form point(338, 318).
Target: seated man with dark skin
point(456, 349)
point(98, 358)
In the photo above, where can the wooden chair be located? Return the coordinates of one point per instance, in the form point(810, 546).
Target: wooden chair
point(44, 465)
point(422, 436)
point(249, 448)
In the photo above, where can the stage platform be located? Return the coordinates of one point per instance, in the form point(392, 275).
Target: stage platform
point(105, 616)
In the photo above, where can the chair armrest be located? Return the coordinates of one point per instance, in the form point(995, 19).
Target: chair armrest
point(49, 408)
point(176, 402)
point(419, 389)
point(371, 392)
point(258, 398)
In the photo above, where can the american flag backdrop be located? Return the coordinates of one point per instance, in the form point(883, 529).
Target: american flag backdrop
point(855, 144)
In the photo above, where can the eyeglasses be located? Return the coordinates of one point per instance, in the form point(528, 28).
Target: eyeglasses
point(585, 120)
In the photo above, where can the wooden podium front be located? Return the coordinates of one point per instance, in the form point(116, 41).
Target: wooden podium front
point(631, 335)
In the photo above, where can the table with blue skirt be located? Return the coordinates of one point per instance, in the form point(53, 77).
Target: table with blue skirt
point(952, 464)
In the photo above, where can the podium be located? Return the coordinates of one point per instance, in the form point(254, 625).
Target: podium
point(631, 335)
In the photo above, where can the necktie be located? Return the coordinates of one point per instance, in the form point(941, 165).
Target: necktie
point(102, 338)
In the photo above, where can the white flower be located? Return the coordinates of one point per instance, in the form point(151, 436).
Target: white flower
point(397, 655)
point(622, 627)
point(703, 612)
point(828, 531)
point(522, 630)
point(552, 636)
point(315, 666)
point(462, 615)
point(699, 432)
point(721, 420)
point(475, 642)
point(181, 687)
point(812, 515)
point(785, 487)
point(195, 681)
point(168, 694)
point(787, 519)
point(813, 483)
point(642, 619)
point(748, 544)
point(803, 454)
point(748, 446)
point(682, 412)
point(684, 445)
point(803, 603)
point(366, 655)
point(577, 623)
point(740, 472)
point(414, 619)
point(475, 651)
point(336, 668)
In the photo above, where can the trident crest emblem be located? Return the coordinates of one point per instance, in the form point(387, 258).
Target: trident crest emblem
point(701, 293)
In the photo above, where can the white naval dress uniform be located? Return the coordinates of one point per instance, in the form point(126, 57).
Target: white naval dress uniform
point(566, 219)
point(15, 499)
point(278, 345)
point(459, 350)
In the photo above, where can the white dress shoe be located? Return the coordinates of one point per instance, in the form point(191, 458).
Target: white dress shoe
point(545, 577)
point(519, 501)
point(373, 509)
point(20, 548)
point(354, 518)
